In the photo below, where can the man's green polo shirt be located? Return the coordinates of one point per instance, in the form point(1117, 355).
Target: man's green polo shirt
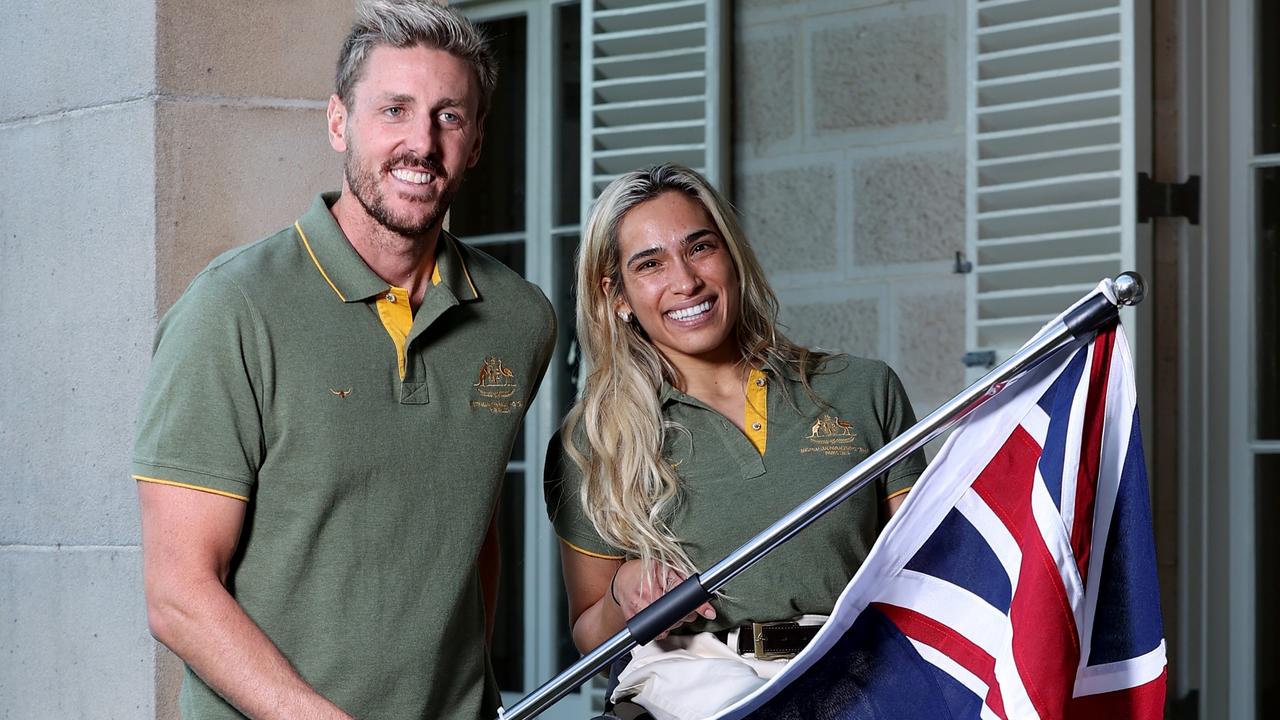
point(732, 490)
point(277, 380)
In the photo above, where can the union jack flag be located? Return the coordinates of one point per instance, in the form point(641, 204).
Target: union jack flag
point(1017, 581)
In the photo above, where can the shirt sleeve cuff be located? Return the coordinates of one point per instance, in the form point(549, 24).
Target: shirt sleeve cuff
point(190, 479)
point(592, 549)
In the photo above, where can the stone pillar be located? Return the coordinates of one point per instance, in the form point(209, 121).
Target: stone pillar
point(139, 140)
point(849, 173)
point(240, 130)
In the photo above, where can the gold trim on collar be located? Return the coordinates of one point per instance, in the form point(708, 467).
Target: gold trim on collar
point(323, 274)
point(756, 412)
point(457, 253)
point(397, 319)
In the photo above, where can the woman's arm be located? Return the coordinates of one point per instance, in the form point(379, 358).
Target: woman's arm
point(893, 503)
point(594, 614)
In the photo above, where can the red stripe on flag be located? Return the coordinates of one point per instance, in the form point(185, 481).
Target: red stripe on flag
point(1046, 648)
point(1144, 702)
point(1095, 410)
point(947, 641)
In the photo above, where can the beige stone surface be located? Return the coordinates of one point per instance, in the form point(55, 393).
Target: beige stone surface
point(228, 175)
point(277, 49)
point(930, 339)
point(747, 6)
point(65, 54)
point(880, 74)
point(790, 218)
point(909, 208)
point(168, 681)
point(851, 326)
point(766, 97)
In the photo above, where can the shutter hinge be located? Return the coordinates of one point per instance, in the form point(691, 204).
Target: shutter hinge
point(980, 358)
point(962, 266)
point(1157, 199)
point(1186, 707)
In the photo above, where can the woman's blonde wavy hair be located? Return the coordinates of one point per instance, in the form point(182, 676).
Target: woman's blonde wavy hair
point(629, 490)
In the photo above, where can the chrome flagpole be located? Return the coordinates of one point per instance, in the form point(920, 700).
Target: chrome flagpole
point(1089, 314)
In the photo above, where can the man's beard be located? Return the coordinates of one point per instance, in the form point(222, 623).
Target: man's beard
point(364, 185)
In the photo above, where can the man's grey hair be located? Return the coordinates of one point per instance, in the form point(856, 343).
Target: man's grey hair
point(408, 23)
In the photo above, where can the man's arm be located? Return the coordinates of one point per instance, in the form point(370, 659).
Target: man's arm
point(188, 539)
point(490, 564)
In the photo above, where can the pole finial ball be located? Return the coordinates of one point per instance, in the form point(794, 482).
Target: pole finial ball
point(1130, 288)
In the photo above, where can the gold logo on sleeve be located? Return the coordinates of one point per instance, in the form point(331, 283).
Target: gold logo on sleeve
point(495, 383)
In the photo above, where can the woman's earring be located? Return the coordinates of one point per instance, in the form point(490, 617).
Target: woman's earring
point(624, 316)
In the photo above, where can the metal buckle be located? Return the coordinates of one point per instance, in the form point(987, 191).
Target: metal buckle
point(757, 636)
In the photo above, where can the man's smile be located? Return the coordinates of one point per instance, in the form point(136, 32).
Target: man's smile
point(415, 177)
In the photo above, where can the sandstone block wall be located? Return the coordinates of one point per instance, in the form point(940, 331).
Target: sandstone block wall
point(849, 173)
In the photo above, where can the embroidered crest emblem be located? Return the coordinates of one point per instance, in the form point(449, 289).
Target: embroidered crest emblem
point(341, 393)
point(496, 382)
point(829, 429)
point(832, 436)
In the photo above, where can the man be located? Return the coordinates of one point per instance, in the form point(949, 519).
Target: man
point(330, 411)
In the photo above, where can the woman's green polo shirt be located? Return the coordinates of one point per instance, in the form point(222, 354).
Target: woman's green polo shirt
point(371, 462)
point(732, 491)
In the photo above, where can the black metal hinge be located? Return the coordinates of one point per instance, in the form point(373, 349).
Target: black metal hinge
point(1157, 199)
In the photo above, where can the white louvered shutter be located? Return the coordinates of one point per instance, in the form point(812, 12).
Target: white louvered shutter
point(1053, 156)
point(653, 88)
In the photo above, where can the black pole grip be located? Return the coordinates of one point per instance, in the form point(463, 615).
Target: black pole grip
point(667, 610)
point(1091, 315)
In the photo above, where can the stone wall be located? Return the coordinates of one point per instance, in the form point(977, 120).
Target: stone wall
point(849, 173)
point(139, 140)
point(77, 279)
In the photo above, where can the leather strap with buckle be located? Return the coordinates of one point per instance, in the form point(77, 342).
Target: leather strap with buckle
point(775, 640)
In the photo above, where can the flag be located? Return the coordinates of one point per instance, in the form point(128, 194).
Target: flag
point(1017, 581)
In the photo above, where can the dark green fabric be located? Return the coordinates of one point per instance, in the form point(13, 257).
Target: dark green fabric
point(732, 492)
point(368, 496)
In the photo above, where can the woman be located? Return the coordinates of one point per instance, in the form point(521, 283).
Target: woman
point(700, 425)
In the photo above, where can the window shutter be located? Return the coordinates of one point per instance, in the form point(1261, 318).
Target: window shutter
point(653, 88)
point(1052, 160)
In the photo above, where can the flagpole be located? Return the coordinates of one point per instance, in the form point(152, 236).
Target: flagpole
point(1091, 313)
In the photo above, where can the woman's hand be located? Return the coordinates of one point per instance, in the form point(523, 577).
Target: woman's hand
point(604, 593)
point(630, 591)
